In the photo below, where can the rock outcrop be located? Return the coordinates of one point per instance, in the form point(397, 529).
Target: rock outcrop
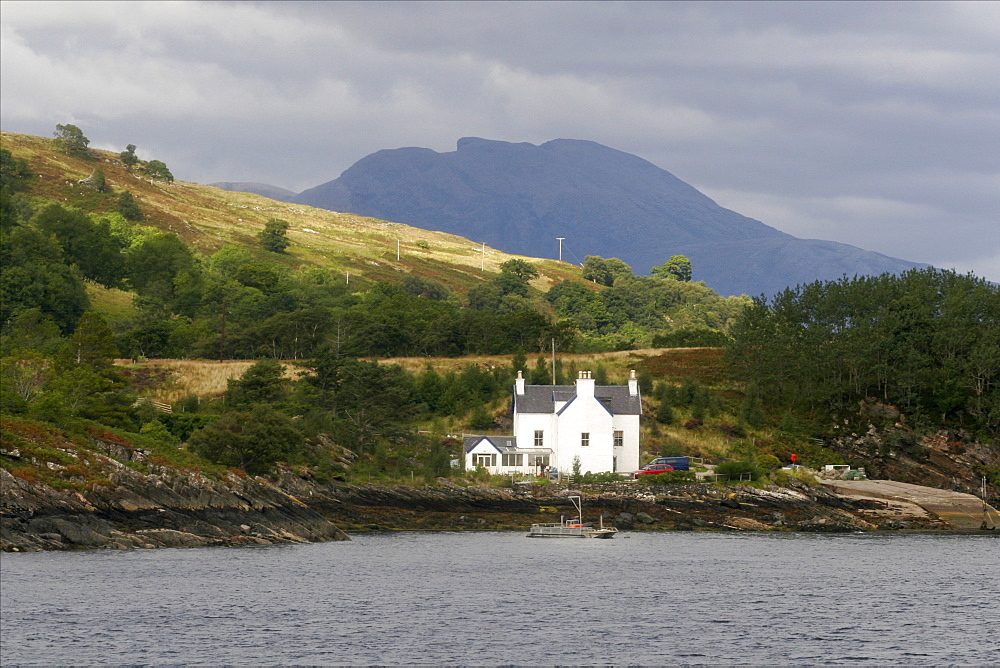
point(166, 508)
point(115, 496)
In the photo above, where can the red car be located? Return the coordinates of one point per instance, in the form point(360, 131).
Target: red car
point(652, 469)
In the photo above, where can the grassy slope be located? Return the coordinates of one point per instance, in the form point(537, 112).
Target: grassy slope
point(207, 218)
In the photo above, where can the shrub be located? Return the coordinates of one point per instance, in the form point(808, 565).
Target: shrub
point(693, 423)
point(128, 207)
point(481, 419)
point(768, 462)
point(589, 477)
point(786, 477)
point(665, 414)
point(736, 470)
point(670, 477)
point(731, 430)
point(672, 448)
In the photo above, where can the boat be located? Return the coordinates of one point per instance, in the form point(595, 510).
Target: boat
point(573, 527)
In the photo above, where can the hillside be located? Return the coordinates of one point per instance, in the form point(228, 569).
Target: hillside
point(521, 197)
point(207, 218)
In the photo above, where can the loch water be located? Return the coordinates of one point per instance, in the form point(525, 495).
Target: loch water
point(499, 598)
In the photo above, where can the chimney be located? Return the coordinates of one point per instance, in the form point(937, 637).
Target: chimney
point(633, 383)
point(519, 383)
point(585, 385)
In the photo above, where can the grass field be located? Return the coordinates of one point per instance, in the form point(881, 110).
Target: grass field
point(206, 378)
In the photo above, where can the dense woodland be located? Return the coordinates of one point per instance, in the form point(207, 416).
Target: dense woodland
point(927, 342)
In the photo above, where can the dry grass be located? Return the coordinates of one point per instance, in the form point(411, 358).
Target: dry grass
point(111, 303)
point(208, 218)
point(617, 363)
point(199, 377)
point(206, 378)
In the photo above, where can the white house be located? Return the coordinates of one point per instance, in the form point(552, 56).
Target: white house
point(555, 424)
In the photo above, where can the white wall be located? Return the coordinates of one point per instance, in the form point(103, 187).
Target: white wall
point(585, 414)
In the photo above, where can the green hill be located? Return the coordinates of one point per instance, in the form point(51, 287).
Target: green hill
point(207, 218)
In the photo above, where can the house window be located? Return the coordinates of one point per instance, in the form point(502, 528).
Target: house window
point(619, 439)
point(539, 438)
point(483, 460)
point(513, 460)
point(585, 439)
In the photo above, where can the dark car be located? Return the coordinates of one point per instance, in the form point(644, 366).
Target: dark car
point(679, 463)
point(652, 469)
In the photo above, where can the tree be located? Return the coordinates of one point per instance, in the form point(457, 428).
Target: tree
point(34, 274)
point(264, 382)
point(519, 268)
point(251, 440)
point(157, 170)
point(14, 173)
point(92, 344)
point(604, 271)
point(677, 268)
point(155, 261)
point(89, 245)
point(665, 413)
point(71, 140)
point(31, 331)
point(128, 207)
point(129, 158)
point(274, 236)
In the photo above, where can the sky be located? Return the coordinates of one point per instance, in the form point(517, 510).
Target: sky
point(873, 124)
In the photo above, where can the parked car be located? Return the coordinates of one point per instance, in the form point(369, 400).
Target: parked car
point(679, 463)
point(652, 469)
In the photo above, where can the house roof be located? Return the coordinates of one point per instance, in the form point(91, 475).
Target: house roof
point(543, 398)
point(501, 443)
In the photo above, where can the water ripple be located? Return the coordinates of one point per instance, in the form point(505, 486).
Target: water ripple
point(495, 598)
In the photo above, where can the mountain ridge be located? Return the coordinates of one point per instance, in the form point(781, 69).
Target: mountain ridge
point(520, 197)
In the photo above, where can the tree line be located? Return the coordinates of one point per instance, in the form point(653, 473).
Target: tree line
point(926, 341)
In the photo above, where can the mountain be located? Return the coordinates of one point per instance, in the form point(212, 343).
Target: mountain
point(263, 189)
point(521, 197)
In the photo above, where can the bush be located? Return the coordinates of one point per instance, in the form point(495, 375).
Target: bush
point(670, 477)
point(672, 448)
point(736, 470)
point(128, 207)
point(481, 419)
point(785, 477)
point(731, 430)
point(665, 414)
point(768, 462)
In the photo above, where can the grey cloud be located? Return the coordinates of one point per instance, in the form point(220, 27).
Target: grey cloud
point(822, 115)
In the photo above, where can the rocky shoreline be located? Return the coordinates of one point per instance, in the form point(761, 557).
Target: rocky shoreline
point(168, 507)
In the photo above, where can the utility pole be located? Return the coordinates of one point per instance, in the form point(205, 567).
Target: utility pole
point(560, 247)
point(222, 336)
point(482, 260)
point(397, 250)
point(553, 360)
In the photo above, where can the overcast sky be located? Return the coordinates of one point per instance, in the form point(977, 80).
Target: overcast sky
point(876, 125)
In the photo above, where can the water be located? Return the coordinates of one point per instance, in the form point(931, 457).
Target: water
point(498, 598)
